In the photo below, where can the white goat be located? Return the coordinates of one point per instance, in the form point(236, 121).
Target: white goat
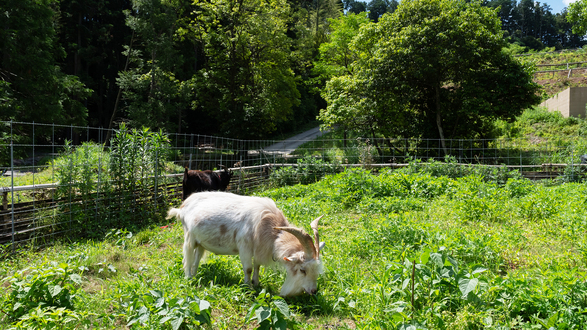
point(256, 230)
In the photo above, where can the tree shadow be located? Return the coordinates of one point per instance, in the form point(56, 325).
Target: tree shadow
point(220, 271)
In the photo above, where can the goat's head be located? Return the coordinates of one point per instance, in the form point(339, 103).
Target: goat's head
point(303, 267)
point(225, 177)
point(226, 170)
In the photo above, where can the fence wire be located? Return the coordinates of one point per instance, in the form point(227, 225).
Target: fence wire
point(70, 181)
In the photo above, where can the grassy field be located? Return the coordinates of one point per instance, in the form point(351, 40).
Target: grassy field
point(404, 250)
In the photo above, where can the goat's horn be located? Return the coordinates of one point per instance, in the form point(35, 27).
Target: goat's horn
point(314, 226)
point(304, 239)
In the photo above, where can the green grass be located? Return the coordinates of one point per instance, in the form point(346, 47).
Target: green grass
point(46, 175)
point(487, 256)
point(540, 124)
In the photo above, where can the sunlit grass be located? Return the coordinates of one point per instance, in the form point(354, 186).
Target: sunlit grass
point(46, 175)
point(522, 243)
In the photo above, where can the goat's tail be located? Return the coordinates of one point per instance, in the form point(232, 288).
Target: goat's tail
point(173, 213)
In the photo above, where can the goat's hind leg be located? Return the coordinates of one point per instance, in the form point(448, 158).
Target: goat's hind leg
point(192, 253)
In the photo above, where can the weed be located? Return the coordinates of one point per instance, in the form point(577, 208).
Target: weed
point(270, 312)
point(407, 249)
point(48, 289)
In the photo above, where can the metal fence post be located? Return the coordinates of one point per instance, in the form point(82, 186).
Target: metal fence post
point(12, 183)
point(156, 175)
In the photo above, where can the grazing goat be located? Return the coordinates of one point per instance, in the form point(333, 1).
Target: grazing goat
point(196, 181)
point(256, 230)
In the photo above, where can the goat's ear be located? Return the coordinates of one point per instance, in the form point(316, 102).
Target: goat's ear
point(322, 245)
point(291, 259)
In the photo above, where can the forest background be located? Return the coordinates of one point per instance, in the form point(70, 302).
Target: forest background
point(238, 68)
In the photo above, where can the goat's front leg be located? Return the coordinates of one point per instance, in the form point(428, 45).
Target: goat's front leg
point(256, 275)
point(247, 261)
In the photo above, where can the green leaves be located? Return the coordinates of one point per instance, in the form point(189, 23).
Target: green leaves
point(246, 84)
point(467, 285)
point(432, 66)
point(271, 312)
point(577, 15)
point(37, 89)
point(156, 306)
point(48, 285)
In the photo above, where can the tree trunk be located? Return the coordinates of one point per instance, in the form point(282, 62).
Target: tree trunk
point(439, 121)
point(376, 143)
point(179, 121)
point(108, 133)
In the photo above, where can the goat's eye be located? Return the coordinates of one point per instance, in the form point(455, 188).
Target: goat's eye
point(303, 271)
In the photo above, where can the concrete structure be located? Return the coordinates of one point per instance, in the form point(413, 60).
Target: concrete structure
point(570, 102)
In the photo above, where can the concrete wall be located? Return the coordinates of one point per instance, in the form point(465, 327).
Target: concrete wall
point(570, 102)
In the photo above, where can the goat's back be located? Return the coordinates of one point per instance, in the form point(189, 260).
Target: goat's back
point(225, 207)
point(226, 223)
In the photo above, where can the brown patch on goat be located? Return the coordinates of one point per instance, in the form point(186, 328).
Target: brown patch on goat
point(223, 229)
point(265, 232)
point(290, 245)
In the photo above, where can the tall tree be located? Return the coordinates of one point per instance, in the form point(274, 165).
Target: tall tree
point(33, 87)
point(93, 34)
point(508, 13)
point(154, 96)
point(354, 6)
point(337, 55)
point(566, 37)
point(319, 14)
point(246, 84)
point(534, 26)
point(577, 16)
point(377, 8)
point(433, 69)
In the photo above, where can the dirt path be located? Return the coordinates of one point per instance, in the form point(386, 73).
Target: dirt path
point(287, 146)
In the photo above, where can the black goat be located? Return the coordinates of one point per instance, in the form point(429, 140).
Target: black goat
point(196, 181)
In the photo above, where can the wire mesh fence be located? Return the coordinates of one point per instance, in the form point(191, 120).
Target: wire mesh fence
point(67, 180)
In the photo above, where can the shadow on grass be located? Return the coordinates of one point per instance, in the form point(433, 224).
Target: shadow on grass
point(308, 305)
point(219, 271)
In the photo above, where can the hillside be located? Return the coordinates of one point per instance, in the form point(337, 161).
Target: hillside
point(559, 63)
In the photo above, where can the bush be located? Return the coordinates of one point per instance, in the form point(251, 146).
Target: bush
point(451, 169)
point(99, 190)
point(35, 289)
point(308, 170)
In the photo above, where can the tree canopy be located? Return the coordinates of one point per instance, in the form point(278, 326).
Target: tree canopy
point(432, 69)
point(578, 16)
point(251, 68)
point(32, 86)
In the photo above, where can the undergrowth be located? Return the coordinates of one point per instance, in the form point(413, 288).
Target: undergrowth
point(405, 249)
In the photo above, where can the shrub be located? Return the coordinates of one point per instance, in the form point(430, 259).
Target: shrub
point(308, 170)
point(452, 169)
point(49, 285)
point(99, 190)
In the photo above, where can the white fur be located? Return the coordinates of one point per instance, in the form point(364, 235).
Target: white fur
point(225, 223)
